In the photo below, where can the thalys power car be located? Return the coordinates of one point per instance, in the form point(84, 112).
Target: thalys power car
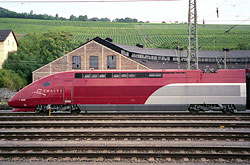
point(142, 90)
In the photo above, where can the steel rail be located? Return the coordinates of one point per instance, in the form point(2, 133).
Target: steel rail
point(124, 124)
point(126, 155)
point(109, 151)
point(128, 135)
point(73, 118)
point(122, 147)
point(124, 132)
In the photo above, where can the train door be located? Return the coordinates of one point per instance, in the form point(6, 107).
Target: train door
point(67, 92)
point(248, 90)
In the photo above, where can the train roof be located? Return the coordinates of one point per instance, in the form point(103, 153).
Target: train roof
point(140, 71)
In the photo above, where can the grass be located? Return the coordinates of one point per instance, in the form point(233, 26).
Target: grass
point(4, 103)
point(149, 34)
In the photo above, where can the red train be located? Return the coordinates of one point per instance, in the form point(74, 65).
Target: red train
point(150, 90)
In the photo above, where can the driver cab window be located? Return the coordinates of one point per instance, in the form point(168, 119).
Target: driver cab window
point(46, 84)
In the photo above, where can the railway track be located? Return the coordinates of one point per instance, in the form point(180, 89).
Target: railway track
point(125, 135)
point(125, 138)
point(168, 113)
point(127, 152)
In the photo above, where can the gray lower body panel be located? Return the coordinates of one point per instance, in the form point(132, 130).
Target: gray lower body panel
point(132, 107)
point(240, 107)
point(142, 107)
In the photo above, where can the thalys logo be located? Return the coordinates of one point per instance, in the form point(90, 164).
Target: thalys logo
point(44, 92)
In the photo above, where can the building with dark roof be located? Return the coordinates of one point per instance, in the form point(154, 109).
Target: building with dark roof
point(100, 54)
point(8, 43)
point(156, 58)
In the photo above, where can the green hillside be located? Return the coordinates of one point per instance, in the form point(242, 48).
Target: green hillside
point(148, 34)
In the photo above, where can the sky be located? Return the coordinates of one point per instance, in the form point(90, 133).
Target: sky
point(230, 11)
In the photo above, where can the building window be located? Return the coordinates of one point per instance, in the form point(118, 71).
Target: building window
point(111, 63)
point(93, 62)
point(76, 62)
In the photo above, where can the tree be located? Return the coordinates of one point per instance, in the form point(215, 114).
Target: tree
point(83, 18)
point(31, 12)
point(10, 80)
point(127, 20)
point(104, 19)
point(72, 18)
point(23, 64)
point(93, 19)
point(36, 50)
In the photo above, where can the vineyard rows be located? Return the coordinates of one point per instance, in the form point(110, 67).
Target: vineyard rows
point(150, 35)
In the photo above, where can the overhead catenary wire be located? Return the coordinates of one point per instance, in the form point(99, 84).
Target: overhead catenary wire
point(223, 3)
point(218, 15)
point(238, 3)
point(76, 1)
point(227, 31)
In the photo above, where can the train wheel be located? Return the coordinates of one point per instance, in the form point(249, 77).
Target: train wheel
point(229, 109)
point(193, 112)
point(40, 109)
point(75, 110)
point(193, 109)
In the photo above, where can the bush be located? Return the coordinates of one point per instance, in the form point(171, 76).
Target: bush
point(11, 80)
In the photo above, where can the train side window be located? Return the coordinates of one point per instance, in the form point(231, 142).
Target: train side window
point(86, 75)
point(102, 75)
point(108, 75)
point(141, 75)
point(94, 75)
point(78, 75)
point(131, 75)
point(116, 75)
point(155, 75)
point(124, 75)
point(46, 84)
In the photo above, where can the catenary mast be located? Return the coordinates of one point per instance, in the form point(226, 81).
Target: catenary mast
point(192, 61)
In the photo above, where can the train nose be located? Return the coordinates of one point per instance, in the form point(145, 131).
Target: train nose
point(12, 101)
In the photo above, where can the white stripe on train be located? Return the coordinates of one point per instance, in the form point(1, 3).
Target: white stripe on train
point(189, 94)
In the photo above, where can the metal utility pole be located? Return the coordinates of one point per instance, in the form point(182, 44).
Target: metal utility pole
point(178, 50)
point(192, 61)
point(225, 50)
